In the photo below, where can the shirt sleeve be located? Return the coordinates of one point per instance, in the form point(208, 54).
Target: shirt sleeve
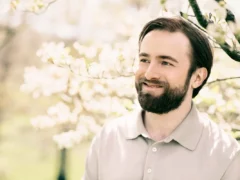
point(233, 171)
point(91, 164)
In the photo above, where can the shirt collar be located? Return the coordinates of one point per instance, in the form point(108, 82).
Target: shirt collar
point(187, 133)
point(135, 126)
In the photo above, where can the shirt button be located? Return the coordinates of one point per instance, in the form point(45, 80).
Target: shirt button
point(154, 149)
point(149, 170)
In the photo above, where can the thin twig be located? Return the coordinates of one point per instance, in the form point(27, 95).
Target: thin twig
point(191, 15)
point(202, 29)
point(224, 79)
point(45, 9)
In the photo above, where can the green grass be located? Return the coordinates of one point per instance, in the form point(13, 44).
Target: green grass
point(26, 154)
point(77, 162)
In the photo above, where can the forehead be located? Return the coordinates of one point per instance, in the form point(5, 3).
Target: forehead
point(174, 44)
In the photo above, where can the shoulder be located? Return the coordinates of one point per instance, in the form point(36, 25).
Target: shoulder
point(119, 126)
point(218, 141)
point(117, 123)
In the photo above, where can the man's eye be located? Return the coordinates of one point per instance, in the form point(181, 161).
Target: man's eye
point(165, 63)
point(144, 60)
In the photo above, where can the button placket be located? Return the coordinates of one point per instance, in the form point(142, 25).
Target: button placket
point(150, 160)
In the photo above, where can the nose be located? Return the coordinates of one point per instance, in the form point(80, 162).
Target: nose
point(152, 72)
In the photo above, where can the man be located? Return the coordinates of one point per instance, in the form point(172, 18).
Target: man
point(168, 139)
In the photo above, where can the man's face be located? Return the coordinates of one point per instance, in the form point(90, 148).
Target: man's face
point(162, 80)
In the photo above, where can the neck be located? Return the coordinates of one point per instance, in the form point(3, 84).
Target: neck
point(159, 126)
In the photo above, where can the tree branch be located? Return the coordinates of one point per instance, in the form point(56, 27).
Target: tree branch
point(235, 127)
point(45, 8)
point(230, 17)
point(197, 11)
point(224, 79)
point(9, 36)
point(198, 26)
point(234, 54)
point(202, 29)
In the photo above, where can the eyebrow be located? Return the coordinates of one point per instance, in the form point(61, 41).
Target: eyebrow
point(159, 56)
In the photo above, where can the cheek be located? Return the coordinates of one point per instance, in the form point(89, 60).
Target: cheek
point(177, 78)
point(139, 74)
point(141, 69)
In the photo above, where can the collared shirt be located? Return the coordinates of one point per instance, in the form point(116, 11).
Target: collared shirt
point(196, 150)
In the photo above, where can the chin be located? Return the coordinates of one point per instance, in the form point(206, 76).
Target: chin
point(153, 94)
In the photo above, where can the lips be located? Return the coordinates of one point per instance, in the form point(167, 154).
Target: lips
point(152, 85)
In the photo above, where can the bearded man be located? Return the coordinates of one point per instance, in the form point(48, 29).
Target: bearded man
point(167, 139)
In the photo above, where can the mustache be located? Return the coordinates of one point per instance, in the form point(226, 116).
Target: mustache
point(153, 81)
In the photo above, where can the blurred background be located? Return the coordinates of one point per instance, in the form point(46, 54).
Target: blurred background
point(67, 67)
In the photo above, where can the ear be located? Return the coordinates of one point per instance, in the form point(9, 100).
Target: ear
point(198, 77)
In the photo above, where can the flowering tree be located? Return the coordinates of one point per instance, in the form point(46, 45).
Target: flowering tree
point(92, 78)
point(84, 104)
point(85, 99)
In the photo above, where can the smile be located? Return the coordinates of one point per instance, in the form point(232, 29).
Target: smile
point(151, 87)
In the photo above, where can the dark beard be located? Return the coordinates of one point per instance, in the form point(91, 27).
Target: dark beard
point(171, 98)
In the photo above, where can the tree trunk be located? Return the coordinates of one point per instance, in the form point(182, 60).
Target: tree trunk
point(62, 165)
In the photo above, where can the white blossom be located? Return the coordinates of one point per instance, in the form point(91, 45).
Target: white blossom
point(213, 7)
point(42, 122)
point(70, 138)
point(45, 81)
point(217, 32)
point(60, 113)
point(55, 53)
point(91, 85)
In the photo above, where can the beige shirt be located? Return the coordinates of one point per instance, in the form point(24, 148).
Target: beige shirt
point(196, 150)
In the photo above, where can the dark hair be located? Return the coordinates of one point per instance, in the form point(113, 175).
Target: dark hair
point(201, 54)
